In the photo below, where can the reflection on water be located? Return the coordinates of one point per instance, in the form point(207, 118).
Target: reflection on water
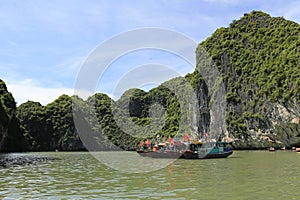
point(244, 175)
point(131, 162)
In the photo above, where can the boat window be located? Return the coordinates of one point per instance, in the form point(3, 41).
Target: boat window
point(193, 147)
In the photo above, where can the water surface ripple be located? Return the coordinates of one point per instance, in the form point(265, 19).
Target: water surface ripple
point(78, 175)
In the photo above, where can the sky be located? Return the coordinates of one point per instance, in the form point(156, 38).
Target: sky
point(45, 44)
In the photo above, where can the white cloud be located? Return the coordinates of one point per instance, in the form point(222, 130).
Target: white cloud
point(30, 90)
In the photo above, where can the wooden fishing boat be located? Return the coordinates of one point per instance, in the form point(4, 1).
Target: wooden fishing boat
point(198, 150)
point(191, 150)
point(162, 150)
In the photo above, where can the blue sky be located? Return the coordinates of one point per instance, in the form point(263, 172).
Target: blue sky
point(44, 43)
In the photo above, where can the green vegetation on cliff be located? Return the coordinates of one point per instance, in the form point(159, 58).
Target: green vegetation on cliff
point(49, 127)
point(259, 58)
point(11, 137)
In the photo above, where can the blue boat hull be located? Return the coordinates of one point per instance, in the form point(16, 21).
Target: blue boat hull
point(193, 155)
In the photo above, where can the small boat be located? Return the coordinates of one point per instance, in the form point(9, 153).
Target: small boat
point(162, 150)
point(282, 148)
point(191, 150)
point(207, 150)
point(272, 149)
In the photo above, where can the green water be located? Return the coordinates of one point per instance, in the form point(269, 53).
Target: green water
point(244, 175)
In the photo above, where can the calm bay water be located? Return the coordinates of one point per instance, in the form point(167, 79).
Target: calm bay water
point(78, 175)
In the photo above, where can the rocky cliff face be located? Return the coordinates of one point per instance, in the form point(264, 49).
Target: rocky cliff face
point(11, 138)
point(258, 57)
point(51, 127)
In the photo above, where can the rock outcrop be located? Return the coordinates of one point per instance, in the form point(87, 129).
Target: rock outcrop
point(258, 57)
point(11, 137)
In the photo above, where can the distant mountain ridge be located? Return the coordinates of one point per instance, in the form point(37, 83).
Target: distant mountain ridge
point(258, 57)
